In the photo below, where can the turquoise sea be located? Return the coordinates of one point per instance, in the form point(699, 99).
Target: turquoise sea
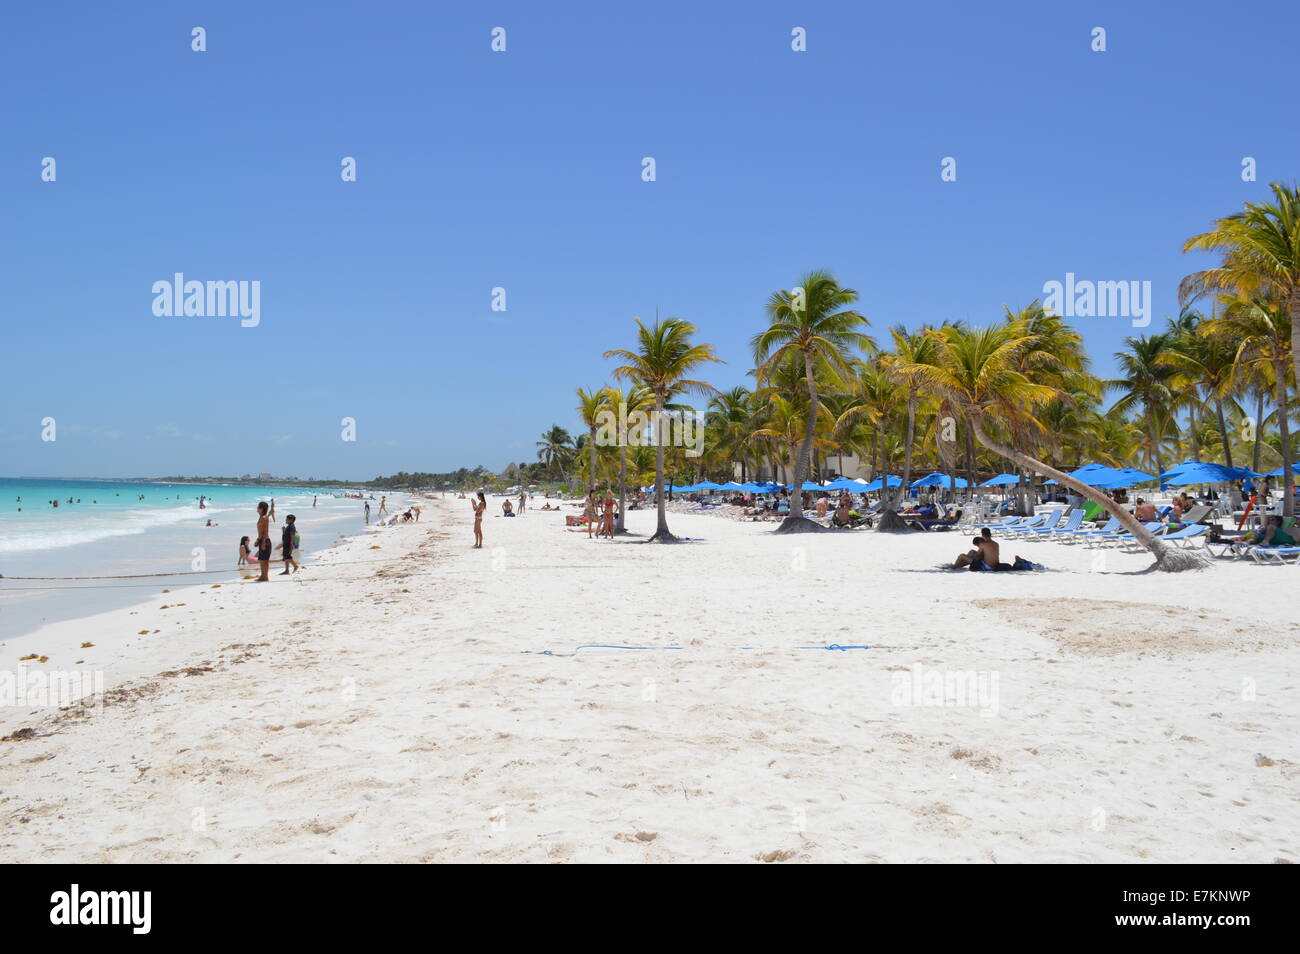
point(120, 528)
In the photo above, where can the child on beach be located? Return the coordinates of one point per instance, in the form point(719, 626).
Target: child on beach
point(288, 543)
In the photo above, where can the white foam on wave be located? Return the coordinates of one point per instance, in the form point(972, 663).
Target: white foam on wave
point(92, 529)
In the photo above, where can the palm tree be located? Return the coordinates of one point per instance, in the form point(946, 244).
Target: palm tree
point(555, 450)
point(1206, 369)
point(976, 371)
point(592, 407)
point(730, 417)
point(911, 349)
point(1262, 331)
point(633, 400)
point(811, 322)
point(661, 363)
point(1147, 382)
point(1260, 246)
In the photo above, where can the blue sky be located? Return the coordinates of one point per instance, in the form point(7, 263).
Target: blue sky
point(522, 170)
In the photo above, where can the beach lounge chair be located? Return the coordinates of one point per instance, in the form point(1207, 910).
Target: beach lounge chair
point(1072, 523)
point(1121, 535)
point(1274, 555)
point(1082, 534)
point(1179, 537)
point(1043, 522)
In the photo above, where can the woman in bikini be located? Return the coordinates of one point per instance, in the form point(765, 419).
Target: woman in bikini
point(607, 527)
point(479, 504)
point(589, 513)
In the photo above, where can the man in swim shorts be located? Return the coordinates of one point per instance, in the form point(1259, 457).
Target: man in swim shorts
point(263, 542)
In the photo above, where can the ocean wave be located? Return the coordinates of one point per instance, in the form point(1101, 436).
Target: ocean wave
point(93, 529)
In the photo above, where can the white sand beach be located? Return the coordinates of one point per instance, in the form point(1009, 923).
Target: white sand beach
point(384, 707)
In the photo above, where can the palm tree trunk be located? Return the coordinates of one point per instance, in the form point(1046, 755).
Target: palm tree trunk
point(591, 460)
point(661, 534)
point(907, 452)
point(620, 526)
point(805, 451)
point(1223, 431)
point(1259, 432)
point(1171, 559)
point(1284, 429)
point(1155, 443)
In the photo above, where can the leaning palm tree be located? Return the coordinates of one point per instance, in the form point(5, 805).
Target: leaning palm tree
point(661, 363)
point(976, 371)
point(813, 323)
point(1261, 255)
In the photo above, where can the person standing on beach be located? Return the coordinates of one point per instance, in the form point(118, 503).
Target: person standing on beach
point(263, 542)
point(272, 508)
point(383, 506)
point(479, 504)
point(523, 500)
point(313, 503)
point(607, 528)
point(367, 513)
point(287, 536)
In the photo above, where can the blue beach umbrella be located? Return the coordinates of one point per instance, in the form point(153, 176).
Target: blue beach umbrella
point(940, 480)
point(1096, 475)
point(847, 483)
point(876, 484)
point(1001, 480)
point(1204, 472)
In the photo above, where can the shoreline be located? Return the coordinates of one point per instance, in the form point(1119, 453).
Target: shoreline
point(134, 648)
point(408, 710)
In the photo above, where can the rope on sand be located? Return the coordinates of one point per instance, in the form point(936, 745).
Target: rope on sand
point(550, 652)
point(144, 576)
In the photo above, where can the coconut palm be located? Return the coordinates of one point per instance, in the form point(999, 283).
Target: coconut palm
point(1206, 369)
point(1261, 330)
point(555, 450)
point(634, 401)
point(661, 363)
point(731, 419)
point(911, 349)
point(1260, 248)
point(976, 371)
point(1147, 383)
point(593, 408)
point(814, 323)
